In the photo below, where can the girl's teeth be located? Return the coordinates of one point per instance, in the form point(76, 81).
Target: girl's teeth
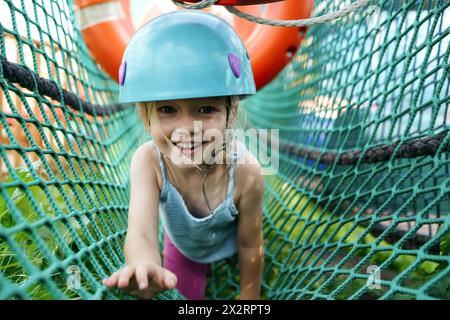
point(188, 146)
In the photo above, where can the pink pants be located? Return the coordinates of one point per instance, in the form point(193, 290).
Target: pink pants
point(191, 275)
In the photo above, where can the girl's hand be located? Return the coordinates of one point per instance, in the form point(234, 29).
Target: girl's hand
point(143, 280)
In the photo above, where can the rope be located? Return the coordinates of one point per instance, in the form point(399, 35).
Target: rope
point(426, 146)
point(395, 235)
point(200, 5)
point(283, 23)
point(30, 80)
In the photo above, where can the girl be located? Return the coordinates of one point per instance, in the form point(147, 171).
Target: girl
point(187, 69)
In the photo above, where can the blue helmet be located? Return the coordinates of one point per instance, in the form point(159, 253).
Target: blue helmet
point(185, 54)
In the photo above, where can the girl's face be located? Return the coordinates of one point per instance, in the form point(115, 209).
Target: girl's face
point(190, 125)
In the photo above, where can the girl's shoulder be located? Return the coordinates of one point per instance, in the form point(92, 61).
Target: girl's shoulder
point(246, 161)
point(247, 169)
point(146, 158)
point(148, 152)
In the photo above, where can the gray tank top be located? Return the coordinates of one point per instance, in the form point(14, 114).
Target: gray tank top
point(206, 239)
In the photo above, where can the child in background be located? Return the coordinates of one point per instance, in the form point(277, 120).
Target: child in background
point(186, 70)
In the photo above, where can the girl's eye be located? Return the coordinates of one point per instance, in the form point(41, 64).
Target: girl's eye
point(167, 109)
point(206, 109)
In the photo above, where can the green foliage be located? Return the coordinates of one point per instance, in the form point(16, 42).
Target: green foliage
point(28, 205)
point(301, 222)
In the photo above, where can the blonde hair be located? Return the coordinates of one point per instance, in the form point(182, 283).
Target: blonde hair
point(148, 113)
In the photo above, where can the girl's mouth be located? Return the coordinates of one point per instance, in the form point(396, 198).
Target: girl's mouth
point(189, 148)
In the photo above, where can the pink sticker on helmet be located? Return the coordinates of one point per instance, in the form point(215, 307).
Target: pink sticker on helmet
point(235, 64)
point(122, 72)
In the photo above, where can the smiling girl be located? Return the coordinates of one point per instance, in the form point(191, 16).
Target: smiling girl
point(187, 70)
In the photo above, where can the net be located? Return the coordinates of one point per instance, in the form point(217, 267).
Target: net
point(358, 209)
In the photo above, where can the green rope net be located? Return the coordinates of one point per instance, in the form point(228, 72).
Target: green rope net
point(366, 230)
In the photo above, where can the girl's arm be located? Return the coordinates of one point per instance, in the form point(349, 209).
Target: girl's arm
point(143, 274)
point(141, 243)
point(250, 239)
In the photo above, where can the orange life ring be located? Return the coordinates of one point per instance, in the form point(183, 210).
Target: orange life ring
point(269, 48)
point(106, 27)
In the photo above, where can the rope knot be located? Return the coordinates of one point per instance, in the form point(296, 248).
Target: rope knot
point(201, 5)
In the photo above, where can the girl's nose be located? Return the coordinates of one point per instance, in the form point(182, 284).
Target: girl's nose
point(186, 121)
point(186, 125)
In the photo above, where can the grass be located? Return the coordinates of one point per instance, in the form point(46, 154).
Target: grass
point(309, 252)
point(298, 231)
point(76, 220)
point(45, 243)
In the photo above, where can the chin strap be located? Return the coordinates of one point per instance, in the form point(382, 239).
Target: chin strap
point(228, 110)
point(209, 166)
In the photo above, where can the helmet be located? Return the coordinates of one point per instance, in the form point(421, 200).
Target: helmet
point(185, 54)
